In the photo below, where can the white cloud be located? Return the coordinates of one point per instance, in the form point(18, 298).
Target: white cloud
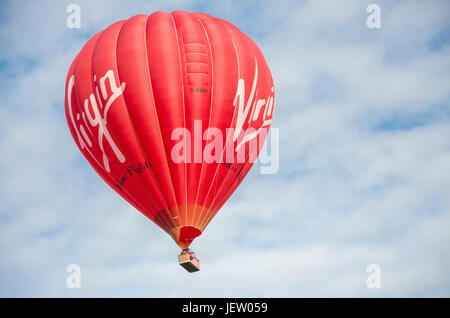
point(364, 178)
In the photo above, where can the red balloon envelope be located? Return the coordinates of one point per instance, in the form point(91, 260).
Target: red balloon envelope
point(171, 110)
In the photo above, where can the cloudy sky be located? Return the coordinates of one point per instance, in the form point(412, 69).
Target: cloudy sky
point(364, 172)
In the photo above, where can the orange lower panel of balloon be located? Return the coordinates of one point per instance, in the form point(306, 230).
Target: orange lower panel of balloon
point(191, 219)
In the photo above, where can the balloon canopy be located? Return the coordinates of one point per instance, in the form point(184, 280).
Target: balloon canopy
point(171, 110)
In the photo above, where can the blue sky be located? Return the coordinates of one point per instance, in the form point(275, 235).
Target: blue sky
point(363, 117)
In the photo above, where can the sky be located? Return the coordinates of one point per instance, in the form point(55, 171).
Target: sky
point(364, 172)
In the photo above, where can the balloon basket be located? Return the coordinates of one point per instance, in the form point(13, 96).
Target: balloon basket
point(189, 261)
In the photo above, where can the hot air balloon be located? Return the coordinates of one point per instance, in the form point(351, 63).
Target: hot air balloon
point(171, 110)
